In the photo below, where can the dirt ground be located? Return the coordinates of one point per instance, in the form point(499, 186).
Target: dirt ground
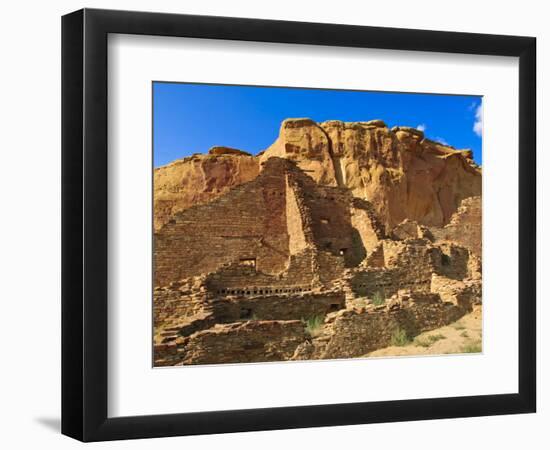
point(462, 336)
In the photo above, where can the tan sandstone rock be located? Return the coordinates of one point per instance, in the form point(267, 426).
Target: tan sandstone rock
point(403, 174)
point(199, 179)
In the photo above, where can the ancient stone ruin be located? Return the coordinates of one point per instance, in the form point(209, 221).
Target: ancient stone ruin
point(320, 247)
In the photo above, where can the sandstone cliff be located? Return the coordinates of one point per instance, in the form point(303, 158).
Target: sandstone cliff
point(403, 174)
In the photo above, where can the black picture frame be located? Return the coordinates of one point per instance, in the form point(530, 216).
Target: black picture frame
point(84, 224)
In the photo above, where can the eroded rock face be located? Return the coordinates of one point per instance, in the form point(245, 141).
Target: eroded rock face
point(403, 174)
point(199, 179)
point(307, 144)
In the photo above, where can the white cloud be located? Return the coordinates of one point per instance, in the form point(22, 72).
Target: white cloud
point(441, 140)
point(421, 127)
point(478, 123)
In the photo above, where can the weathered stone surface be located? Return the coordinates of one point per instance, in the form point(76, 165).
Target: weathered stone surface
point(199, 179)
point(246, 224)
point(266, 222)
point(404, 175)
point(304, 142)
point(464, 227)
point(276, 306)
point(253, 341)
point(409, 229)
point(221, 150)
point(354, 333)
point(399, 172)
point(323, 246)
point(458, 292)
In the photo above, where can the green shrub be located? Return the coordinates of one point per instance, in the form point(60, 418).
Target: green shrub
point(314, 325)
point(378, 298)
point(400, 338)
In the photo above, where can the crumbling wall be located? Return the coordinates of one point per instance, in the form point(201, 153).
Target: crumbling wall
point(354, 333)
point(328, 268)
point(406, 265)
point(454, 261)
point(417, 256)
point(178, 300)
point(282, 306)
point(253, 341)
point(236, 278)
point(409, 229)
point(387, 282)
point(248, 223)
point(346, 333)
point(464, 227)
point(328, 213)
point(460, 293)
point(282, 212)
point(409, 264)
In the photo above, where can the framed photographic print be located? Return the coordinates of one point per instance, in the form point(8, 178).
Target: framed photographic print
point(274, 224)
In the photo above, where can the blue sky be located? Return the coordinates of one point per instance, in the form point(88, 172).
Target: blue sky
point(191, 118)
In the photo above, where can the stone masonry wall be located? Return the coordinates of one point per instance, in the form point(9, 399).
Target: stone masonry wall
point(454, 261)
point(241, 342)
point(248, 223)
point(387, 282)
point(236, 277)
point(283, 306)
point(409, 265)
point(464, 227)
point(176, 301)
point(351, 332)
point(354, 333)
point(282, 212)
point(328, 218)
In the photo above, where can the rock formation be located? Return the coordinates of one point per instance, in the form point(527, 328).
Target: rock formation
point(403, 174)
point(325, 245)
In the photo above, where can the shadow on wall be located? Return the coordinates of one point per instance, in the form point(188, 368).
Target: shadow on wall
point(358, 253)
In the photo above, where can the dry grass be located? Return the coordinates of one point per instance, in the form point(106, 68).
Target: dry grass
point(400, 338)
point(463, 336)
point(428, 340)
